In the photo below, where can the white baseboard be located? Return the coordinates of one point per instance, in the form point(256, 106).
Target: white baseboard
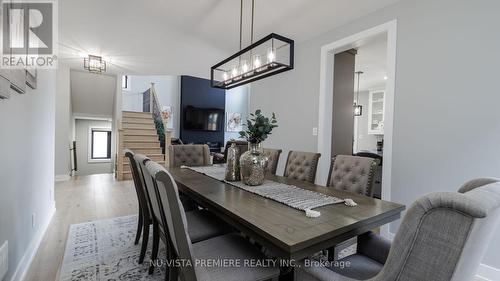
point(62, 178)
point(484, 272)
point(29, 254)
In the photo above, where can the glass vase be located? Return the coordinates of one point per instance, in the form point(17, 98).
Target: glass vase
point(253, 165)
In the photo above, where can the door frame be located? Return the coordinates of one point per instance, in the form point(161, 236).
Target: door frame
point(328, 52)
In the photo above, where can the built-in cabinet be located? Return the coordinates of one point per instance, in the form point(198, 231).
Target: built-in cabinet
point(376, 109)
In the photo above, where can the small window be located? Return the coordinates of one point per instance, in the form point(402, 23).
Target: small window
point(126, 82)
point(100, 144)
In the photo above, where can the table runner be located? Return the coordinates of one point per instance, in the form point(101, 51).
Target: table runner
point(290, 195)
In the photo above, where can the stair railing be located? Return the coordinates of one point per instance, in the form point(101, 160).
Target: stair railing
point(161, 121)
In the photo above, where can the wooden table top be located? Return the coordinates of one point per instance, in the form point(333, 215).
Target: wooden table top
point(285, 231)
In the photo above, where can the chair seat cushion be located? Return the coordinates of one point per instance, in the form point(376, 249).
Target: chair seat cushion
point(361, 267)
point(203, 225)
point(231, 247)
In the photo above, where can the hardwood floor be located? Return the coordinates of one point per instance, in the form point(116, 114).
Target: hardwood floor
point(80, 199)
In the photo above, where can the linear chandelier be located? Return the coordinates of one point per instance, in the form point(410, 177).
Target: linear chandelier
point(270, 55)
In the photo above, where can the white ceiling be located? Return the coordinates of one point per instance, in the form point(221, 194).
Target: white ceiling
point(187, 37)
point(372, 60)
point(87, 88)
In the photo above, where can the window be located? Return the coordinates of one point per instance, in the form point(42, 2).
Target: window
point(100, 148)
point(126, 82)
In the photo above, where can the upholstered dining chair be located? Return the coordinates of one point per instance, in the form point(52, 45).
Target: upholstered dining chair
point(352, 174)
point(144, 212)
point(377, 175)
point(302, 166)
point(204, 225)
point(242, 146)
point(189, 155)
point(273, 156)
point(226, 247)
point(443, 236)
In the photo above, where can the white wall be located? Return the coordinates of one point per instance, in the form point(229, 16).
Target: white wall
point(237, 100)
point(63, 124)
point(168, 89)
point(86, 167)
point(446, 73)
point(27, 126)
point(92, 94)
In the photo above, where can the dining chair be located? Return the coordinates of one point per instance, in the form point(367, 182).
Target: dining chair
point(352, 174)
point(144, 212)
point(204, 224)
point(189, 155)
point(230, 247)
point(443, 236)
point(273, 156)
point(302, 165)
point(377, 174)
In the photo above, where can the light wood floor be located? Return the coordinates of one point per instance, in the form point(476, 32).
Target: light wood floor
point(81, 199)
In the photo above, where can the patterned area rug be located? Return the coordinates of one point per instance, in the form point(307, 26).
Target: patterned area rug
point(105, 250)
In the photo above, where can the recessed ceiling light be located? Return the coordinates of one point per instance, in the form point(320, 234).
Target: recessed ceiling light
point(385, 78)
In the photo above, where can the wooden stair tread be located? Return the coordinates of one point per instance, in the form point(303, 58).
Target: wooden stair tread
point(147, 134)
point(135, 114)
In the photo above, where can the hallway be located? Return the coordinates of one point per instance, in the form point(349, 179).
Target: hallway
point(78, 200)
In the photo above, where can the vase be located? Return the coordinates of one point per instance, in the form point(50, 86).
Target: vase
point(253, 165)
point(233, 164)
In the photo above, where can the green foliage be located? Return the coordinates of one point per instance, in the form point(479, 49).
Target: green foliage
point(258, 127)
point(160, 130)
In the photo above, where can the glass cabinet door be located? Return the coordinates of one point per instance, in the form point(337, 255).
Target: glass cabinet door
point(376, 112)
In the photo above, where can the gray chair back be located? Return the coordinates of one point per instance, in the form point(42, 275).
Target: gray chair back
point(273, 156)
point(352, 174)
point(443, 236)
point(302, 166)
point(189, 155)
point(141, 161)
point(173, 215)
point(138, 184)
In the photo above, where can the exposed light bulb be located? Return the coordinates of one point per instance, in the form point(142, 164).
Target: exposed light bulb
point(271, 55)
point(256, 61)
point(234, 72)
point(244, 67)
point(225, 76)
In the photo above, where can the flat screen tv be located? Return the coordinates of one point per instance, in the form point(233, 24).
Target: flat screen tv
point(203, 119)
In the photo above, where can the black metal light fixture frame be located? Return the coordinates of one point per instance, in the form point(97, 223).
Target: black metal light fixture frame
point(263, 71)
point(87, 64)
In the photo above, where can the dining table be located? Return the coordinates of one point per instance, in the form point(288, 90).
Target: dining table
point(285, 232)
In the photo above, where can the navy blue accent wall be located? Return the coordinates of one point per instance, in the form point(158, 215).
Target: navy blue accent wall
point(198, 93)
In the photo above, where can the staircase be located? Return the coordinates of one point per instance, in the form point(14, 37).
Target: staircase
point(137, 133)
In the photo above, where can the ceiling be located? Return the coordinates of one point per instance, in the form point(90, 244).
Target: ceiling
point(86, 89)
point(372, 60)
point(187, 37)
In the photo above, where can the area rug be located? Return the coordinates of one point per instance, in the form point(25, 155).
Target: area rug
point(104, 250)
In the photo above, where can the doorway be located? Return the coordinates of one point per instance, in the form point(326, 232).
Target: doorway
point(325, 131)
